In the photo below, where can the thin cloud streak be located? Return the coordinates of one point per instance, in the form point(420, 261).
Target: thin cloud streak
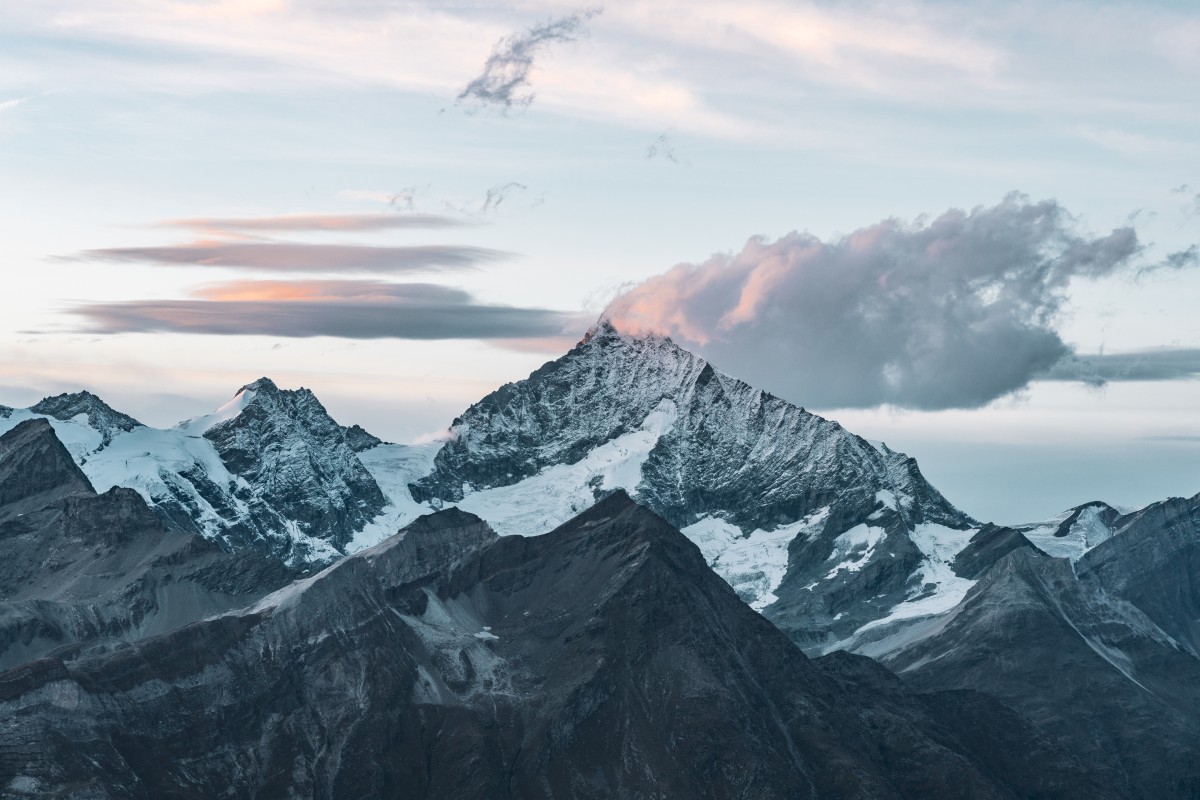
point(300, 257)
point(346, 309)
point(1165, 364)
point(313, 222)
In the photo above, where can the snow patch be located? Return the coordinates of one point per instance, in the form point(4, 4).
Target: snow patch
point(940, 589)
point(198, 425)
point(544, 501)
point(1088, 530)
point(394, 467)
point(855, 547)
point(753, 565)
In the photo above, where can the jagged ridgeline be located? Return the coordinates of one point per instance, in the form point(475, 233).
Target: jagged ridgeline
point(821, 529)
point(558, 628)
point(270, 470)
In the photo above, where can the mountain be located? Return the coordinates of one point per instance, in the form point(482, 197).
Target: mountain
point(98, 415)
point(302, 473)
point(1079, 663)
point(84, 569)
point(1152, 560)
point(604, 659)
point(819, 528)
point(270, 470)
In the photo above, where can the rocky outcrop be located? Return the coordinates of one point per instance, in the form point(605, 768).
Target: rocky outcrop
point(298, 467)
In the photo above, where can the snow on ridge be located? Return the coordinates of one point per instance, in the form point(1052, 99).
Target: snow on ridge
point(197, 426)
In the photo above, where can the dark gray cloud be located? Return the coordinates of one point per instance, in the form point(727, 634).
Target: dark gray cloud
point(349, 309)
point(948, 312)
point(314, 222)
point(1162, 364)
point(301, 257)
point(504, 82)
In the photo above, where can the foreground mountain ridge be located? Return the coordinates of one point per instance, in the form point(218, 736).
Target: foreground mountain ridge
point(602, 659)
point(86, 570)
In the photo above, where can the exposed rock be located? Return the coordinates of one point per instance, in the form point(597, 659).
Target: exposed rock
point(360, 440)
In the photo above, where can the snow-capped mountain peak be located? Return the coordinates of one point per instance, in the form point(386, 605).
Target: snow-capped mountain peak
point(768, 490)
point(269, 469)
point(101, 417)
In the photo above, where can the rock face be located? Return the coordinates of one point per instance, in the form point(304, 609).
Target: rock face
point(822, 529)
point(87, 570)
point(269, 471)
point(1152, 560)
point(1090, 669)
point(601, 660)
point(299, 466)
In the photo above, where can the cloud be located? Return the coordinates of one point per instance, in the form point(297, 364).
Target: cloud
point(664, 147)
point(8, 105)
point(1162, 364)
point(505, 75)
point(944, 313)
point(300, 257)
point(350, 309)
point(498, 194)
point(312, 222)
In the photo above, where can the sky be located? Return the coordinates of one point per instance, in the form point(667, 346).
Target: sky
point(969, 229)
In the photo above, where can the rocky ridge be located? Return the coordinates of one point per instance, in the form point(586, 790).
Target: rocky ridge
point(602, 659)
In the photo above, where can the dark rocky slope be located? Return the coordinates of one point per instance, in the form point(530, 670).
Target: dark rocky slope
point(601, 660)
point(86, 569)
point(1084, 666)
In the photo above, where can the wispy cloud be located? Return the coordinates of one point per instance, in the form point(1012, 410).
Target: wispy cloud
point(300, 257)
point(664, 147)
point(943, 313)
point(504, 82)
point(1161, 364)
point(347, 309)
point(313, 222)
point(8, 105)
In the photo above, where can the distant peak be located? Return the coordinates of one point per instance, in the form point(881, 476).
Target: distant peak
point(100, 415)
point(33, 461)
point(602, 329)
point(263, 384)
point(360, 439)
